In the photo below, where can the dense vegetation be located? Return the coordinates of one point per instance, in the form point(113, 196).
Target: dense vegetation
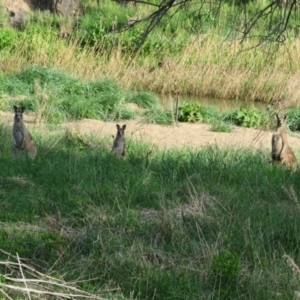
point(56, 97)
point(178, 224)
point(163, 224)
point(195, 52)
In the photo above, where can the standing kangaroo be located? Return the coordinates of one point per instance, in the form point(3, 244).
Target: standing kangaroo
point(281, 150)
point(22, 139)
point(119, 144)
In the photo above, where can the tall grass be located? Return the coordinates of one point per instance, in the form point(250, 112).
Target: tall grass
point(227, 74)
point(192, 63)
point(57, 97)
point(170, 224)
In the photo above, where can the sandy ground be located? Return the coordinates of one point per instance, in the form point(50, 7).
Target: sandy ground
point(182, 135)
point(177, 136)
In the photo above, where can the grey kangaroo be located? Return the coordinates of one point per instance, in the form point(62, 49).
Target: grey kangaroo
point(22, 139)
point(281, 151)
point(119, 145)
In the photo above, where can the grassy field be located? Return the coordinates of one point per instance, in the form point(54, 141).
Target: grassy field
point(163, 224)
point(210, 224)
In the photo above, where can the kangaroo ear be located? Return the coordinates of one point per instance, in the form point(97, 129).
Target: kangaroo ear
point(23, 108)
point(15, 108)
point(285, 117)
point(118, 126)
point(124, 127)
point(276, 115)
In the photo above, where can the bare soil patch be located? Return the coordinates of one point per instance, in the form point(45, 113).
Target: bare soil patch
point(183, 135)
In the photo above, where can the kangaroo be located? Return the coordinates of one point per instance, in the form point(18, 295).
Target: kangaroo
point(119, 144)
point(22, 139)
point(281, 151)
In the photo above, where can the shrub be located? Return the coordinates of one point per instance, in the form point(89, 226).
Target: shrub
point(247, 117)
point(8, 38)
point(294, 119)
point(225, 270)
point(193, 112)
point(226, 265)
point(100, 23)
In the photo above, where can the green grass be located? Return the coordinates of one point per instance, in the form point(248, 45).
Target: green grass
point(170, 224)
point(143, 99)
point(60, 97)
point(102, 26)
point(177, 224)
point(221, 126)
point(158, 116)
point(177, 25)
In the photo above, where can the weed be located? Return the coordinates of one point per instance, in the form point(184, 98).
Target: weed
point(193, 112)
point(293, 119)
point(247, 117)
point(8, 38)
point(226, 266)
point(225, 271)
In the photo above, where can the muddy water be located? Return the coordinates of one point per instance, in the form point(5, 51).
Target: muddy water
point(219, 104)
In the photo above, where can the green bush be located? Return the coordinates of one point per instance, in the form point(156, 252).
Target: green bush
point(41, 21)
point(194, 112)
point(226, 265)
point(247, 117)
point(294, 119)
point(225, 271)
point(99, 24)
point(8, 37)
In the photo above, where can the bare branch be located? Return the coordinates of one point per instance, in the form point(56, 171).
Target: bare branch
point(275, 31)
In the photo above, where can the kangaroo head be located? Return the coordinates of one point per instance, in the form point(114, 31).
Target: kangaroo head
point(281, 121)
point(121, 130)
point(19, 112)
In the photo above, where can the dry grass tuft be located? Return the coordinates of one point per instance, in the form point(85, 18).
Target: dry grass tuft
point(20, 181)
point(294, 268)
point(293, 92)
point(291, 194)
point(268, 73)
point(22, 279)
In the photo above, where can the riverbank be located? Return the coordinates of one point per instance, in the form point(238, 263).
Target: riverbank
point(200, 69)
point(204, 65)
